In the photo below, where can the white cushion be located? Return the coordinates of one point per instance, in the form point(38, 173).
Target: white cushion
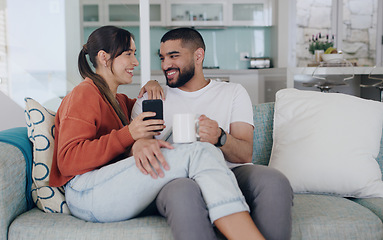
point(328, 143)
point(40, 124)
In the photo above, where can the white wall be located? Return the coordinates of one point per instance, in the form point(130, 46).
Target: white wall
point(12, 115)
point(36, 49)
point(73, 38)
point(285, 33)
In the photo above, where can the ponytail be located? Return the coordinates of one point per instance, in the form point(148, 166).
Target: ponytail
point(86, 71)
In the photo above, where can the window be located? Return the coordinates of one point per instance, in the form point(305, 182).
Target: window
point(352, 25)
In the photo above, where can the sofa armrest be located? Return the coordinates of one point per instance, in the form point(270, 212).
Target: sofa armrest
point(12, 186)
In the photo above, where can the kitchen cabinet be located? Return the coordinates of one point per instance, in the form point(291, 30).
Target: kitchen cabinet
point(219, 13)
point(170, 13)
point(91, 12)
point(127, 13)
point(250, 12)
point(119, 13)
point(95, 13)
point(260, 84)
point(196, 13)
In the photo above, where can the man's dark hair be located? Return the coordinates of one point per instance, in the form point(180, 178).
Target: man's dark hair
point(189, 37)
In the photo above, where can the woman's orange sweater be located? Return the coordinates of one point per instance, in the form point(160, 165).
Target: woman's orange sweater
point(88, 133)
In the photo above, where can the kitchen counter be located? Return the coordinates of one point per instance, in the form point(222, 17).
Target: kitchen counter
point(360, 84)
point(294, 74)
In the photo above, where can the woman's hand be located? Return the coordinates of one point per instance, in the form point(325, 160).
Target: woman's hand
point(148, 156)
point(140, 128)
point(154, 90)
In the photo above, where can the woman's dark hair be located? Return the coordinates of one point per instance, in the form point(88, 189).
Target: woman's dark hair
point(114, 41)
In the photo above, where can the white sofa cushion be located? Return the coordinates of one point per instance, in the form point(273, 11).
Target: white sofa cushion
point(328, 143)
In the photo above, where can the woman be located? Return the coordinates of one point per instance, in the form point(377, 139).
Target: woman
point(94, 140)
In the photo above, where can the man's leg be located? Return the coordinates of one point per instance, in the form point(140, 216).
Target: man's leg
point(270, 197)
point(181, 202)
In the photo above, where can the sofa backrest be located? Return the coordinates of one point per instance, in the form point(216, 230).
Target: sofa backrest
point(263, 117)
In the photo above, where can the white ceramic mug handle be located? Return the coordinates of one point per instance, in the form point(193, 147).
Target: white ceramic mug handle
point(196, 122)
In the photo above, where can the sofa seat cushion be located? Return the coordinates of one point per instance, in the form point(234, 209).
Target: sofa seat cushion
point(374, 204)
point(330, 217)
point(36, 224)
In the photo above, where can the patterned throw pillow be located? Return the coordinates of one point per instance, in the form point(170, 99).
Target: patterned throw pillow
point(40, 124)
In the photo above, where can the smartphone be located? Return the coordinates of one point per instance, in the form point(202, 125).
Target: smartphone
point(154, 105)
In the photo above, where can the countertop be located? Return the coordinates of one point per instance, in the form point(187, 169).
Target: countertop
point(296, 70)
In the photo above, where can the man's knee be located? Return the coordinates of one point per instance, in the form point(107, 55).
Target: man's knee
point(276, 181)
point(181, 202)
point(181, 187)
point(270, 197)
point(179, 193)
point(263, 180)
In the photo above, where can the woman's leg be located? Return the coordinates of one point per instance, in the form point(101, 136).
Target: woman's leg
point(120, 191)
point(238, 226)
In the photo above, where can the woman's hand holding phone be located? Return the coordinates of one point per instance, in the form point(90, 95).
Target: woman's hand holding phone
point(146, 152)
point(140, 128)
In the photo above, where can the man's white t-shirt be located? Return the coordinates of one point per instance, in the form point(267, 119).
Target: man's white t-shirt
point(223, 102)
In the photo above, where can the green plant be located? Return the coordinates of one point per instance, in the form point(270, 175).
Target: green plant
point(319, 42)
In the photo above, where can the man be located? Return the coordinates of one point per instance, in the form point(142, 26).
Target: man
point(226, 122)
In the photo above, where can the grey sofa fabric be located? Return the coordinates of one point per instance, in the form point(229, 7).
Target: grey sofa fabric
point(314, 217)
point(12, 186)
point(375, 205)
point(330, 217)
point(36, 224)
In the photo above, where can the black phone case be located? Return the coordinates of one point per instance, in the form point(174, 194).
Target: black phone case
point(154, 105)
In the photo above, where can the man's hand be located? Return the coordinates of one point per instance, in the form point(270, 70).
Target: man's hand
point(148, 156)
point(209, 130)
point(239, 143)
point(154, 90)
point(139, 128)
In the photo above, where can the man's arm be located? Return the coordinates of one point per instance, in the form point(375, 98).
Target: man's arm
point(239, 143)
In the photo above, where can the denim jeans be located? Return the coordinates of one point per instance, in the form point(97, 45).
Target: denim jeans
point(120, 191)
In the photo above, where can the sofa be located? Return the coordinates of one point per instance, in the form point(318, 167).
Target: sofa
point(315, 216)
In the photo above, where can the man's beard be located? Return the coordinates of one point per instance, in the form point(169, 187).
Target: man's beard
point(183, 78)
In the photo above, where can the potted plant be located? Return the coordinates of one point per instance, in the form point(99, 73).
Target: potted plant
point(319, 42)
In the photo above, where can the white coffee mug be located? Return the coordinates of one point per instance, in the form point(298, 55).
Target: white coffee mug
point(185, 127)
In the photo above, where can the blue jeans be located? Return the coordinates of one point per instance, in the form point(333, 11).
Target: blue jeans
point(120, 191)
